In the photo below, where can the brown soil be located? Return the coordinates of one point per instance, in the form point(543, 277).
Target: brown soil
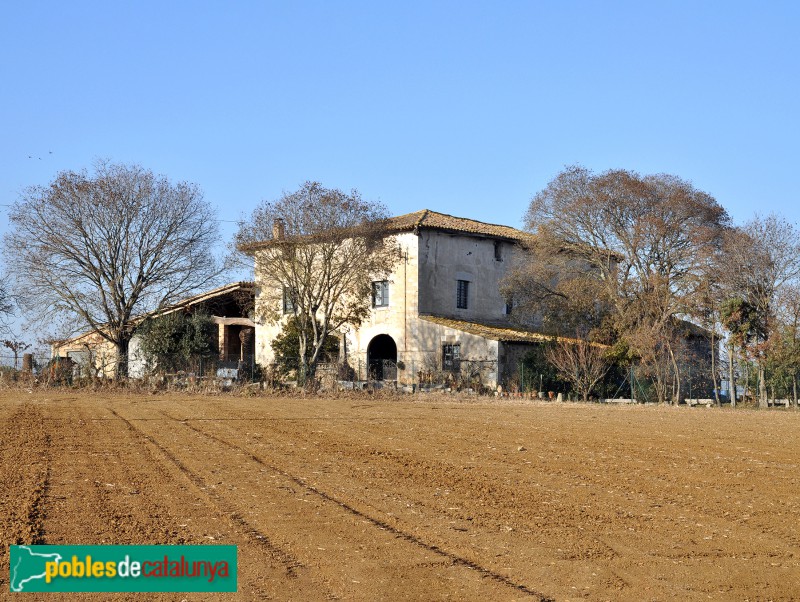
point(363, 499)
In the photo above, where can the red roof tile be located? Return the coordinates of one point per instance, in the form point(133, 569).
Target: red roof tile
point(441, 221)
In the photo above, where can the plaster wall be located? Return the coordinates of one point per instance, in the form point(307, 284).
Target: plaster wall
point(415, 279)
point(90, 348)
point(266, 331)
point(445, 258)
point(392, 320)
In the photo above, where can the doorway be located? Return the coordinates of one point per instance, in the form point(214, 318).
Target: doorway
point(382, 358)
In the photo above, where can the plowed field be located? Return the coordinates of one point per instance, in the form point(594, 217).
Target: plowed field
point(362, 499)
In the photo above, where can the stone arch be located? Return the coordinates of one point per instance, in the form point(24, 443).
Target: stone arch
point(382, 358)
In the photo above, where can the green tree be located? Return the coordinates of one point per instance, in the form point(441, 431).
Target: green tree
point(535, 371)
point(286, 345)
point(170, 341)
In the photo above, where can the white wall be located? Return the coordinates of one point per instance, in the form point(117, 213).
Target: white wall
point(136, 359)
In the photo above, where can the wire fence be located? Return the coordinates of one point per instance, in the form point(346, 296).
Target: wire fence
point(173, 369)
point(36, 358)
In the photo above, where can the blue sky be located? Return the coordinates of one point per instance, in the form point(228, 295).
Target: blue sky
point(462, 107)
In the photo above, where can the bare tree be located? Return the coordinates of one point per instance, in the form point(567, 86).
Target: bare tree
point(788, 341)
point(7, 303)
point(708, 300)
point(317, 251)
point(774, 265)
point(109, 245)
point(760, 261)
point(555, 292)
point(642, 239)
point(581, 363)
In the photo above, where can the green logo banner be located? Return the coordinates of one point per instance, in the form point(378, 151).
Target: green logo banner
point(122, 568)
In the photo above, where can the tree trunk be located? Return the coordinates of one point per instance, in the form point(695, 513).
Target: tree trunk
point(762, 387)
point(311, 371)
point(661, 387)
point(672, 395)
point(121, 367)
point(746, 380)
point(794, 388)
point(731, 375)
point(714, 372)
point(302, 361)
point(677, 398)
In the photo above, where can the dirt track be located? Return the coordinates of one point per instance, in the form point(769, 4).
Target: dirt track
point(364, 500)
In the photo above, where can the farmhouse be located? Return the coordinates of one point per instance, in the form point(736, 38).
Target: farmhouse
point(439, 312)
point(229, 306)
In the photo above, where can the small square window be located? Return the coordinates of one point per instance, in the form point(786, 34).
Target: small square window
point(462, 294)
point(380, 293)
point(451, 358)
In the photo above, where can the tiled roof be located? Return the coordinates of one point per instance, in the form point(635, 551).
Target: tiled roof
point(441, 221)
point(412, 222)
point(497, 333)
point(244, 286)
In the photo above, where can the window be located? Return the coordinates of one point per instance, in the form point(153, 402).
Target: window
point(498, 251)
point(288, 300)
point(451, 357)
point(380, 293)
point(509, 306)
point(462, 294)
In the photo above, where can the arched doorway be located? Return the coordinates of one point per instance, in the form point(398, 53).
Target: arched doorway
point(382, 358)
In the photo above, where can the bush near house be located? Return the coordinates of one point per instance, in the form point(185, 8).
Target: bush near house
point(170, 341)
point(287, 343)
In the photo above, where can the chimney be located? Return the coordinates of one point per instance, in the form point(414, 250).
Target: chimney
point(278, 229)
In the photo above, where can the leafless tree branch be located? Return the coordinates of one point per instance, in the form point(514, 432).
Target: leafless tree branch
point(109, 245)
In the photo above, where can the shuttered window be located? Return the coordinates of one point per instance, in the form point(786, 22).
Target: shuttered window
point(462, 294)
